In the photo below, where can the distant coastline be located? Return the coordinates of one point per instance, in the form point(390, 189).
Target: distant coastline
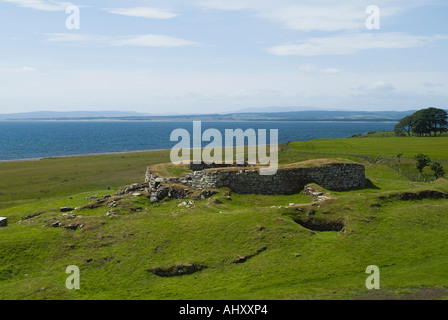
point(284, 116)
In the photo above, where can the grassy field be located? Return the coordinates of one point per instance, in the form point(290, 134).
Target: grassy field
point(117, 247)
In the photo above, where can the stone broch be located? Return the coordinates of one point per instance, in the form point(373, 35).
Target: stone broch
point(332, 176)
point(3, 222)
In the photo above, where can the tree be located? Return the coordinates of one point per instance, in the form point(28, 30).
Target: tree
point(405, 124)
point(428, 121)
point(422, 161)
point(440, 117)
point(420, 123)
point(438, 170)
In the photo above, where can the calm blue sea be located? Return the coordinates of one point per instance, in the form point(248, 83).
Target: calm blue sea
point(41, 139)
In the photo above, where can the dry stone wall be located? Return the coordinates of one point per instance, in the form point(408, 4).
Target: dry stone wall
point(334, 176)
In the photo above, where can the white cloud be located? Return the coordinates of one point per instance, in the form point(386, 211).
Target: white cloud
point(143, 12)
point(42, 5)
point(309, 68)
point(28, 69)
point(152, 40)
point(378, 88)
point(353, 43)
point(334, 71)
point(147, 40)
point(307, 15)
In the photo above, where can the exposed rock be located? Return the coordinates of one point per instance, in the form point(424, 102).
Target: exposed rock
point(205, 194)
point(32, 215)
point(66, 209)
point(56, 224)
point(242, 258)
point(72, 227)
point(178, 270)
point(3, 222)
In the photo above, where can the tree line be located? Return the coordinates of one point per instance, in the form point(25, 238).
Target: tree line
point(424, 122)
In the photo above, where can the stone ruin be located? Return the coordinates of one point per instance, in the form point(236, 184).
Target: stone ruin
point(243, 179)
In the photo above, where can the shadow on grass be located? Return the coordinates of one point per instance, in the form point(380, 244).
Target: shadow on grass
point(368, 186)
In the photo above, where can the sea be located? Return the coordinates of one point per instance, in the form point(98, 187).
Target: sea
point(43, 139)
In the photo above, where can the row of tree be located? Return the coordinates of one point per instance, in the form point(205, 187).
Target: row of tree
point(423, 122)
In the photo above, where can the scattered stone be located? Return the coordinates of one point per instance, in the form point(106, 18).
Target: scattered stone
point(3, 222)
point(182, 204)
point(32, 215)
point(311, 212)
point(106, 196)
point(137, 194)
point(73, 227)
point(56, 224)
point(66, 209)
point(108, 214)
point(91, 197)
point(292, 204)
point(297, 255)
point(205, 194)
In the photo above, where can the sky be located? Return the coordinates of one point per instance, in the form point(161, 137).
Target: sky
point(219, 56)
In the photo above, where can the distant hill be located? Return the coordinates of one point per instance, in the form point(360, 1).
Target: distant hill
point(68, 115)
point(314, 115)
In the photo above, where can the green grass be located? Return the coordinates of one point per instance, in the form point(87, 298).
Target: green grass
point(405, 239)
point(435, 147)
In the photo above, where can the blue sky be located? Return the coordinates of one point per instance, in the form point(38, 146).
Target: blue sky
point(205, 56)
